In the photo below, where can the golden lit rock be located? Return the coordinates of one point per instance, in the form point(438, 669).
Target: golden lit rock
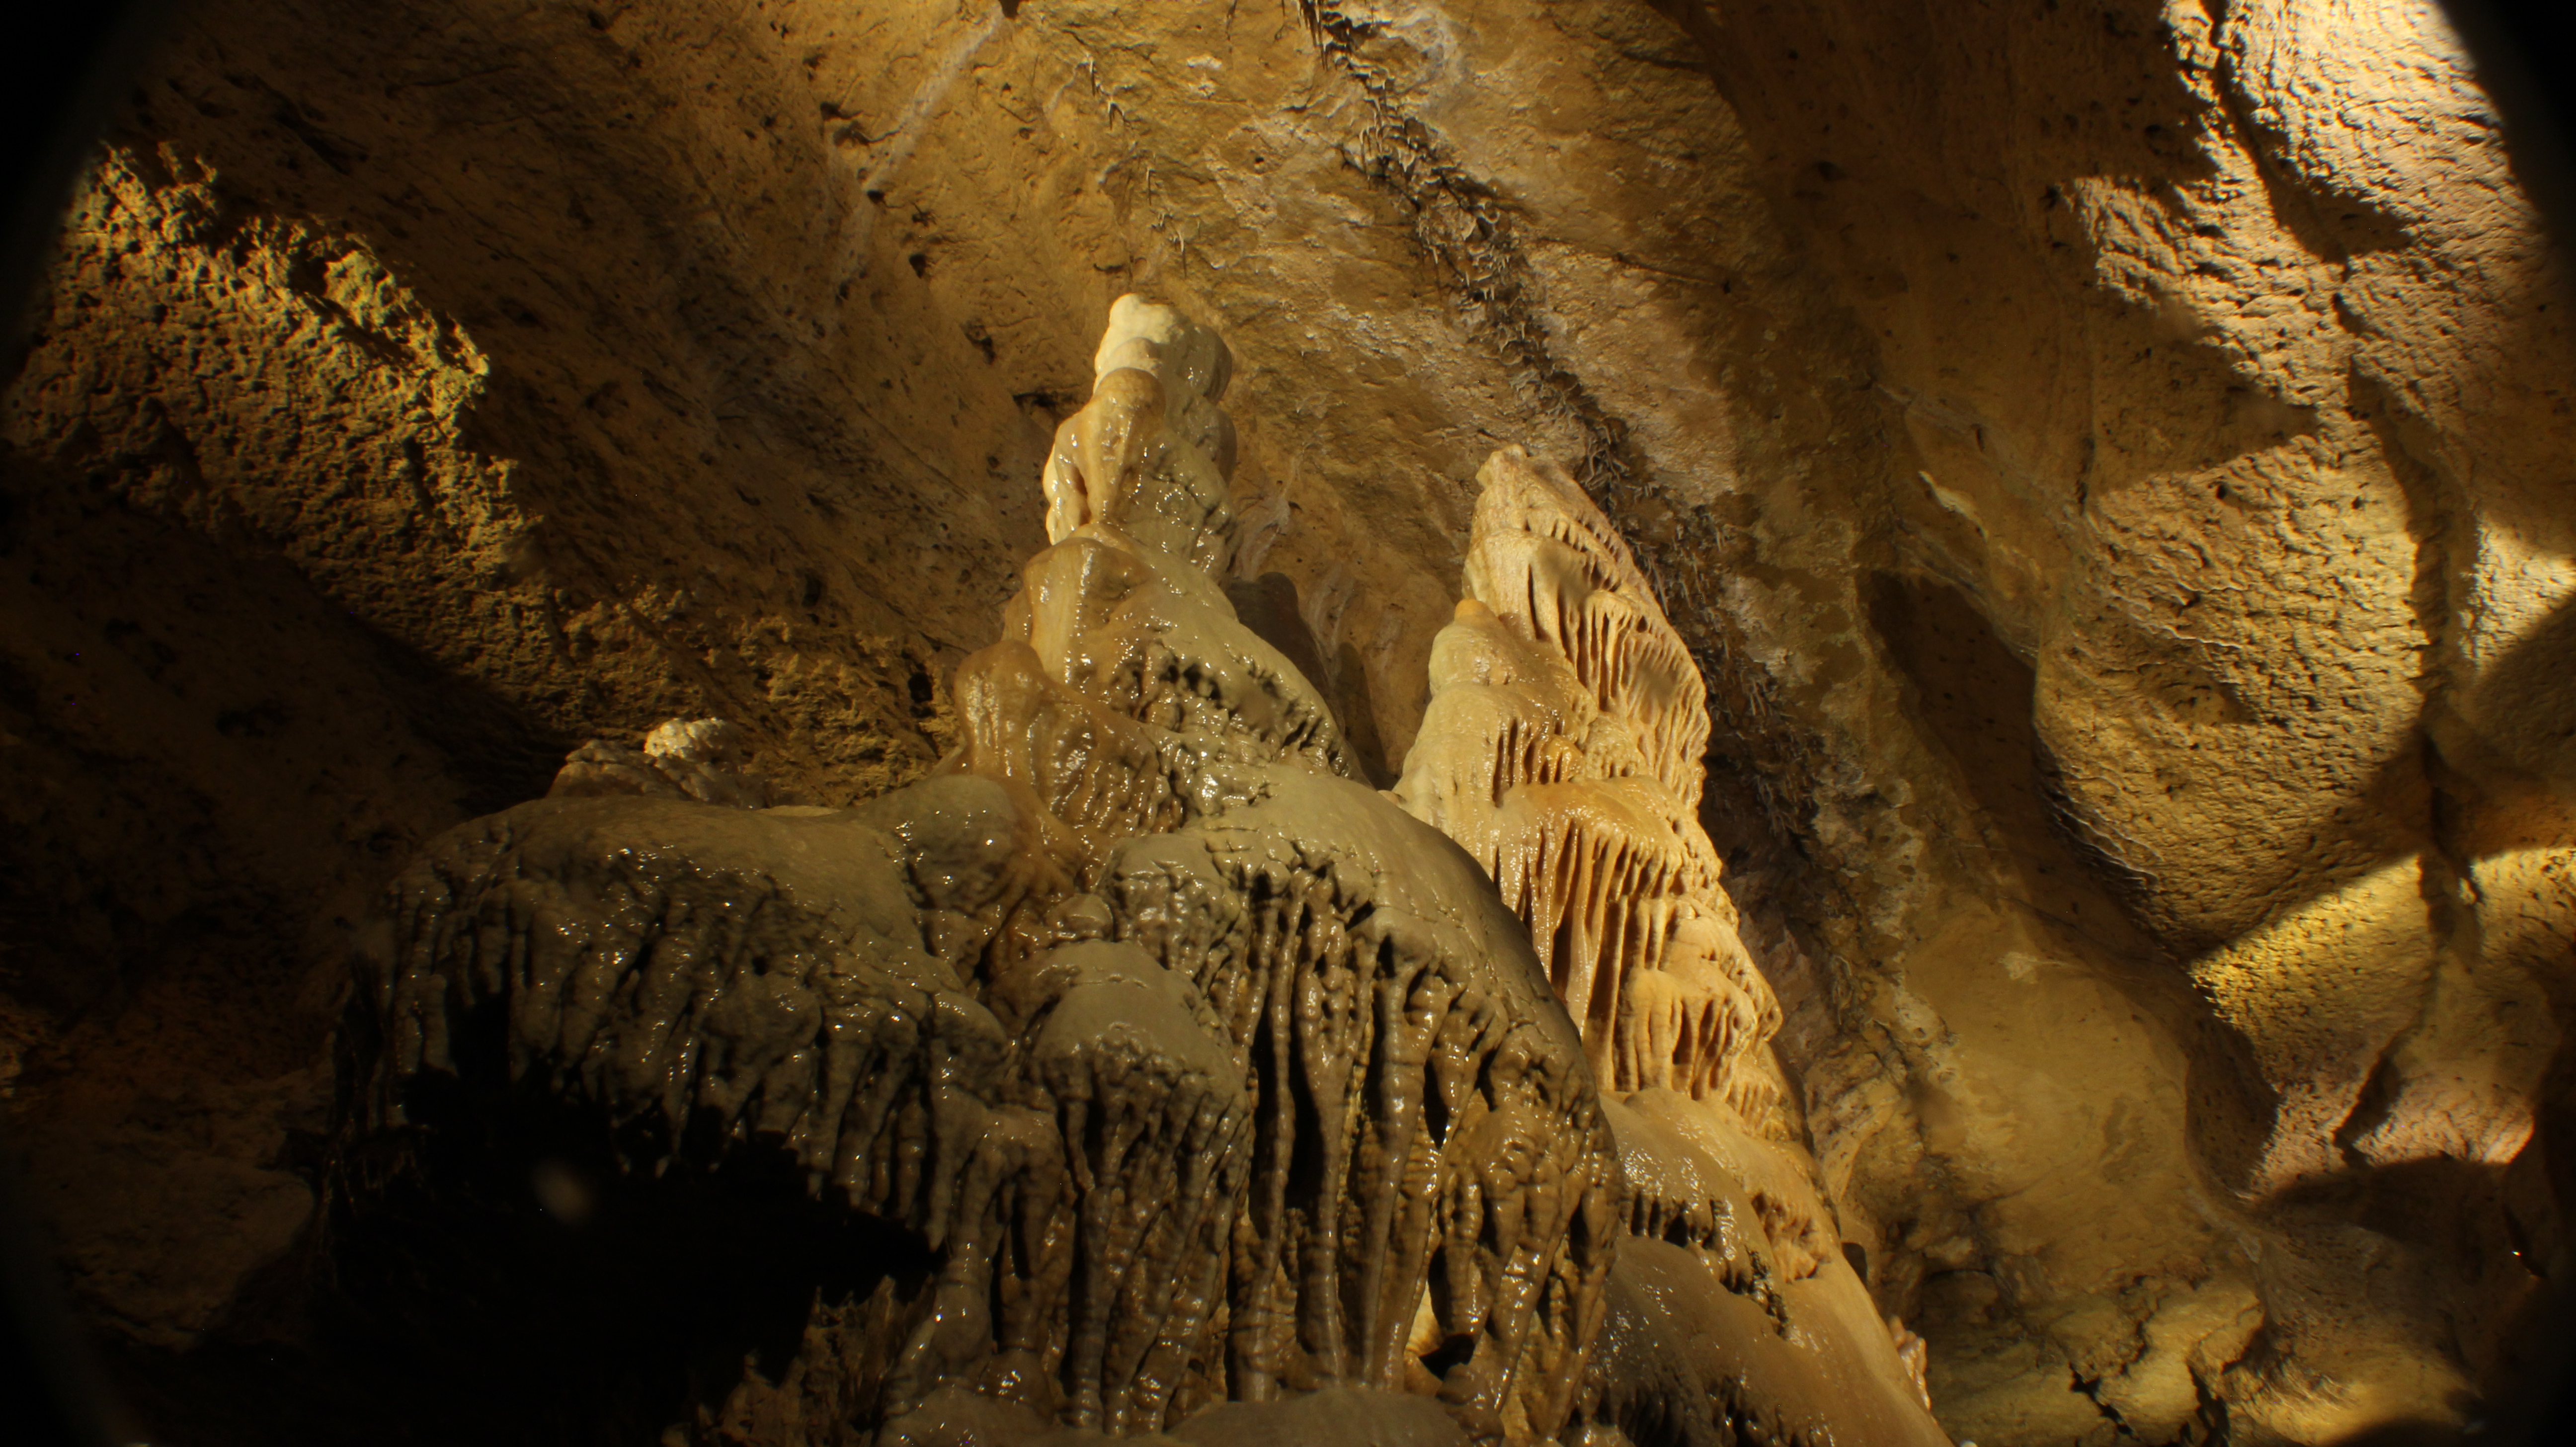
point(2050, 721)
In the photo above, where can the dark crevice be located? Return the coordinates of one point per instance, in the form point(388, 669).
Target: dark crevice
point(504, 1243)
point(2091, 1387)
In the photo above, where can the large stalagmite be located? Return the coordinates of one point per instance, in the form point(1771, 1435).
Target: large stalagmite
point(1203, 1071)
point(1563, 748)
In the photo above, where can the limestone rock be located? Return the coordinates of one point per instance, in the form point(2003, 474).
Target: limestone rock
point(1203, 1070)
point(2106, 463)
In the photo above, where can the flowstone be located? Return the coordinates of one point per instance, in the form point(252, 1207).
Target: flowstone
point(1207, 1079)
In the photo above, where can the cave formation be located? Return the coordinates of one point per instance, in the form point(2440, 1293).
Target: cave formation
point(1623, 722)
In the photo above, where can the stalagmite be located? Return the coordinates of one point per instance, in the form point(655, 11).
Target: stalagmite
point(1209, 1075)
point(1562, 748)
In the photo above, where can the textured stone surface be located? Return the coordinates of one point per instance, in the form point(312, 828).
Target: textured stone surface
point(1202, 1073)
point(2108, 460)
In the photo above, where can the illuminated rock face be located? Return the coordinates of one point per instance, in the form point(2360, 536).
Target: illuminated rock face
point(2107, 461)
point(1562, 747)
point(1205, 1072)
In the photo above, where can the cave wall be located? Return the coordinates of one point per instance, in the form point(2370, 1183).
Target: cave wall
point(2107, 457)
point(2228, 374)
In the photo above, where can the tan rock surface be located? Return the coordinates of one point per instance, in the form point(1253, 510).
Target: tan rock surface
point(2109, 462)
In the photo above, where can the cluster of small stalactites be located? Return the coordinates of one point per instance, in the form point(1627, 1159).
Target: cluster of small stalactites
point(1562, 748)
point(1543, 558)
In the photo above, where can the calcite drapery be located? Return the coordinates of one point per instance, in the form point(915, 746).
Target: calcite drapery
point(1563, 748)
point(1207, 1071)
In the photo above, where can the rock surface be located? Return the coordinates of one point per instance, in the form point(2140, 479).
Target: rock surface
point(1202, 1073)
point(2107, 460)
